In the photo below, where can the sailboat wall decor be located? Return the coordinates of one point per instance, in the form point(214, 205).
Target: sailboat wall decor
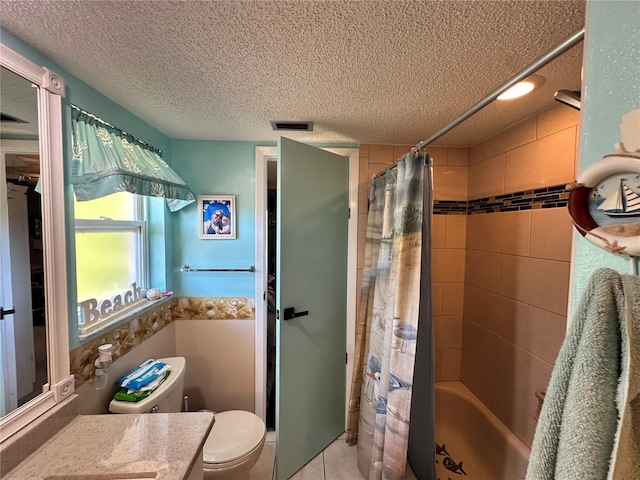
point(604, 203)
point(624, 202)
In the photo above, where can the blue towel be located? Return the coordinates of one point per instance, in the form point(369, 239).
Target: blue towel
point(579, 434)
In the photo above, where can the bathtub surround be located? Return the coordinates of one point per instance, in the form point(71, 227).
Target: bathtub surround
point(500, 277)
point(517, 266)
point(588, 424)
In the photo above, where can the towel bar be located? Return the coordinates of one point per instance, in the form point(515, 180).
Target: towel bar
point(187, 268)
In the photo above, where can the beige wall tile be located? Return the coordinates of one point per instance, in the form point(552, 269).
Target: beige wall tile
point(503, 316)
point(474, 240)
point(449, 183)
point(438, 154)
point(375, 168)
point(220, 358)
point(362, 238)
point(438, 231)
point(476, 153)
point(448, 265)
point(456, 228)
point(363, 196)
point(542, 283)
point(557, 118)
point(458, 156)
point(486, 179)
point(447, 331)
point(363, 150)
point(364, 180)
point(475, 341)
point(471, 295)
point(546, 332)
point(551, 234)
point(453, 299)
point(474, 375)
point(401, 150)
point(549, 161)
point(363, 169)
point(507, 361)
point(508, 407)
point(529, 423)
point(450, 359)
point(437, 298)
point(483, 270)
point(358, 290)
point(482, 344)
point(381, 154)
point(516, 136)
point(491, 390)
point(506, 232)
point(437, 364)
point(532, 373)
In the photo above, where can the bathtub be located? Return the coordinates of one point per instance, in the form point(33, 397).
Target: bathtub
point(471, 439)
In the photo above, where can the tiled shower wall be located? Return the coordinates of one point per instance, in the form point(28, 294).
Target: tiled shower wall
point(517, 265)
point(500, 273)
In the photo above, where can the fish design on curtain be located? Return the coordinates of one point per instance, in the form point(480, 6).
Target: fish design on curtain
point(388, 323)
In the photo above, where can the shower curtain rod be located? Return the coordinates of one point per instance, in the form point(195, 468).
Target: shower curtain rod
point(559, 49)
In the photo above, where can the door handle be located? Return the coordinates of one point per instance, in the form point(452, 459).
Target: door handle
point(290, 313)
point(4, 312)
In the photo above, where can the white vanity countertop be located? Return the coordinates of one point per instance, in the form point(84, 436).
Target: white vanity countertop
point(162, 446)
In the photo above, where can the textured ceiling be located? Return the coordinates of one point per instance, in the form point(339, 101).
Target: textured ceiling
point(363, 71)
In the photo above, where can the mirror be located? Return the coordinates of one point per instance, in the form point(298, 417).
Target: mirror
point(34, 346)
point(23, 333)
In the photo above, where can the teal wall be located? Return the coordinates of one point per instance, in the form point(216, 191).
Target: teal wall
point(213, 168)
point(611, 88)
point(82, 95)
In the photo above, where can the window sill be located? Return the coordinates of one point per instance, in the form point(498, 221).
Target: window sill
point(120, 318)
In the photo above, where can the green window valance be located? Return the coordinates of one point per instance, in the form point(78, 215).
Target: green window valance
point(107, 160)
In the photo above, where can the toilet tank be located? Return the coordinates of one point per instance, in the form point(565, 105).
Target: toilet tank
point(167, 397)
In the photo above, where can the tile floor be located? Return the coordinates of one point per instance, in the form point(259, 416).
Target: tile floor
point(336, 462)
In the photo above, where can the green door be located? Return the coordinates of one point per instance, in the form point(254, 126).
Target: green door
point(311, 276)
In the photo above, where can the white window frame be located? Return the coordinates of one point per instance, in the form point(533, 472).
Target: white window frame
point(108, 225)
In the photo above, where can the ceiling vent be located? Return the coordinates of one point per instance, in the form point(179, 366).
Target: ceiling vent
point(299, 126)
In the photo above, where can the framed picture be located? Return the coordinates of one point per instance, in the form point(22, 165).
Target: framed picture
point(217, 217)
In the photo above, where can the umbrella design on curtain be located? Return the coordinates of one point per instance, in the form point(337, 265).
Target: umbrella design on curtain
point(107, 160)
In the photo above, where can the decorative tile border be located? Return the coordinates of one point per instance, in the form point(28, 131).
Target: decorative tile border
point(450, 207)
point(124, 338)
point(127, 336)
point(556, 196)
point(215, 308)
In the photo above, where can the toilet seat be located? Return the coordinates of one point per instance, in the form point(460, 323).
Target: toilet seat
point(235, 436)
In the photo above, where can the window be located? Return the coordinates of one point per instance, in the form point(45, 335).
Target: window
point(111, 259)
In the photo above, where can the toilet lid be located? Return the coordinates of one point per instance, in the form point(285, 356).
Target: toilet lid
point(234, 434)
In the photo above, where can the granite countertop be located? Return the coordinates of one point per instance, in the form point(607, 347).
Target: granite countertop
point(162, 446)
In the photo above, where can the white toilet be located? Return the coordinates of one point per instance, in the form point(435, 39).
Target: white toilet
point(236, 438)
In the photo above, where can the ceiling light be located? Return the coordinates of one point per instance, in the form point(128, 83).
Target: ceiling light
point(522, 88)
